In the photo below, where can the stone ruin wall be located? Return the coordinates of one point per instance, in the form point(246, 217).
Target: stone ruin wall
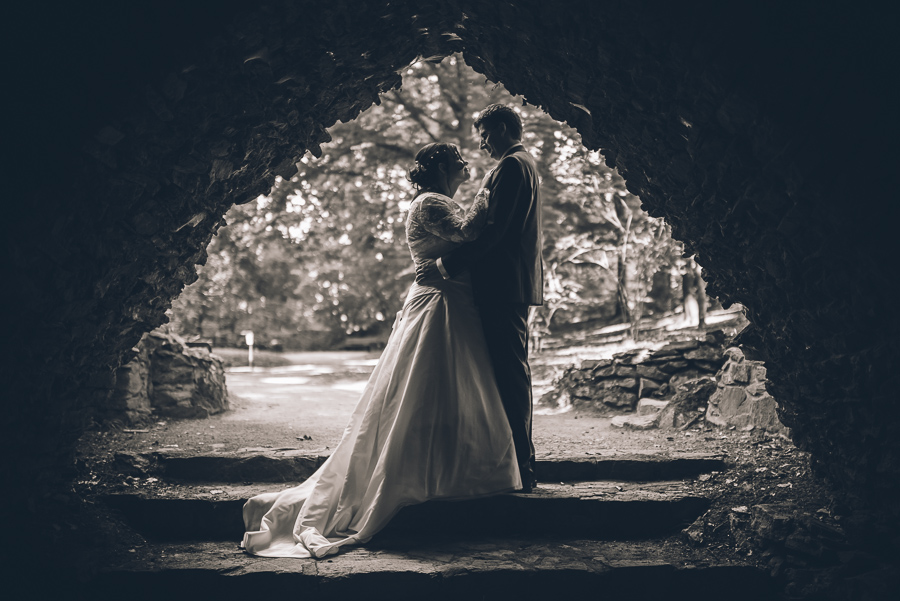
point(615, 385)
point(167, 378)
point(672, 387)
point(728, 137)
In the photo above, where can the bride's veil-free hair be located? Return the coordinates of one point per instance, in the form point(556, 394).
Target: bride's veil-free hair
point(423, 174)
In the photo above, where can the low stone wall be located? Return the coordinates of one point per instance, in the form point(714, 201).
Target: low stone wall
point(167, 378)
point(673, 387)
point(615, 385)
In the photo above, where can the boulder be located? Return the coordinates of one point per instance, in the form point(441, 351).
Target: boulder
point(704, 353)
point(632, 357)
point(619, 399)
point(650, 406)
point(626, 371)
point(764, 415)
point(690, 398)
point(595, 364)
point(583, 391)
point(676, 348)
point(605, 371)
point(740, 398)
point(694, 534)
point(686, 377)
point(729, 407)
point(710, 367)
point(773, 522)
point(673, 366)
point(649, 371)
point(626, 383)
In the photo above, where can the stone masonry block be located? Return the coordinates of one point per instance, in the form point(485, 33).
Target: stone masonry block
point(650, 406)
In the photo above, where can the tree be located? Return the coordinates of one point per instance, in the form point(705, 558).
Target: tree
point(323, 255)
point(604, 250)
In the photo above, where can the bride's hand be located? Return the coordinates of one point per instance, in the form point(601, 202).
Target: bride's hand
point(482, 198)
point(426, 272)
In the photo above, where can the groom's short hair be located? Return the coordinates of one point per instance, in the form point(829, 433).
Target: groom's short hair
point(496, 114)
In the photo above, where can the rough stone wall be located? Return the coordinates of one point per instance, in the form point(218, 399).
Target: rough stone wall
point(185, 382)
point(763, 132)
point(754, 130)
point(129, 401)
point(164, 146)
point(616, 384)
point(167, 378)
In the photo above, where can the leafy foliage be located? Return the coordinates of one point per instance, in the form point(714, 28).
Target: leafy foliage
point(324, 254)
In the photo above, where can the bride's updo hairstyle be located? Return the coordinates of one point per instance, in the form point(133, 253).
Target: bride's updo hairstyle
point(425, 172)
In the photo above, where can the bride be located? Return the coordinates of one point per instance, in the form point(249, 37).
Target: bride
point(430, 423)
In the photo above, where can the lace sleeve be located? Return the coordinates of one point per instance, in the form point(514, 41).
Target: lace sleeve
point(445, 219)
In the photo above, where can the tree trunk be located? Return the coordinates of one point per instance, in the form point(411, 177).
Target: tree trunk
point(621, 294)
point(701, 298)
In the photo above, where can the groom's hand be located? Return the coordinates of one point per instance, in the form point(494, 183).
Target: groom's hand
point(426, 272)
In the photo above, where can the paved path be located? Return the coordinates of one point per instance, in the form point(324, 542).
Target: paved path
point(279, 406)
point(321, 387)
point(306, 406)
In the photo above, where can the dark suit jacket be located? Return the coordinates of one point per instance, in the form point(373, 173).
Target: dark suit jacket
point(505, 260)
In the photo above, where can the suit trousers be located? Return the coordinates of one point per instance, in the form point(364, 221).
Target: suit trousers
point(506, 330)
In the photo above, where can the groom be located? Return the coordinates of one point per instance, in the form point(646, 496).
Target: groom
point(506, 269)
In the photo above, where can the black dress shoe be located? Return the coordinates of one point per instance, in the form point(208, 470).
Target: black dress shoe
point(528, 483)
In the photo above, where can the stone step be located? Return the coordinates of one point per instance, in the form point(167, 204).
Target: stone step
point(293, 465)
point(434, 570)
point(595, 510)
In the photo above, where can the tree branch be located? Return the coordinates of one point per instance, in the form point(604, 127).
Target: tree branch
point(452, 96)
point(403, 151)
point(414, 113)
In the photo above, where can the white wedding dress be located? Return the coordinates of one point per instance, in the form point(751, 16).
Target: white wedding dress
point(429, 424)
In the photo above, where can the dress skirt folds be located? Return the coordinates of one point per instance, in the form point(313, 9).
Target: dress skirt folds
point(429, 425)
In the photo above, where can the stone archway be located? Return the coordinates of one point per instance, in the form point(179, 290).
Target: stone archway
point(748, 129)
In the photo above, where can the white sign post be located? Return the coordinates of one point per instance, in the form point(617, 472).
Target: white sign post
point(248, 336)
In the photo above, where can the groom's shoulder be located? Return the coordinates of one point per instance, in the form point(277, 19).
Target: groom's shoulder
point(522, 160)
point(519, 157)
point(523, 155)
